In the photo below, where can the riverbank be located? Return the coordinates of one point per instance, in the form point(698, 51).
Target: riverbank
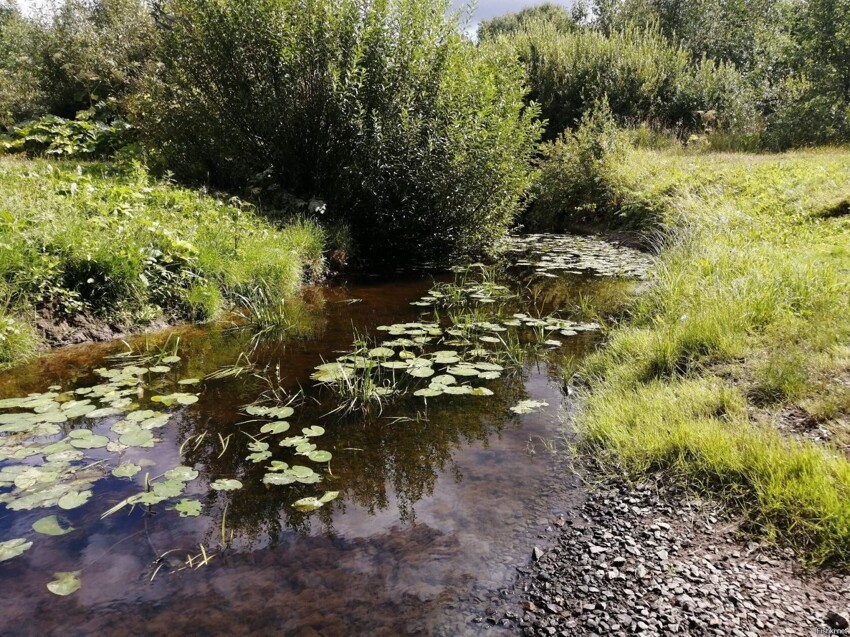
point(731, 373)
point(92, 251)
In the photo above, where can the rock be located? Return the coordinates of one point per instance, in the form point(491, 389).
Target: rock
point(536, 554)
point(836, 621)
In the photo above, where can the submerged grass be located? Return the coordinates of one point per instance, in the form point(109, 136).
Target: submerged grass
point(745, 321)
point(111, 243)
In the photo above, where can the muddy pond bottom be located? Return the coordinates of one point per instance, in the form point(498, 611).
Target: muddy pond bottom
point(191, 505)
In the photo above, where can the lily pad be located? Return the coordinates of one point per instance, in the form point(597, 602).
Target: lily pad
point(529, 406)
point(320, 456)
point(127, 470)
point(50, 525)
point(74, 499)
point(188, 508)
point(429, 392)
point(13, 548)
point(65, 583)
point(381, 352)
point(275, 427)
point(226, 485)
point(181, 474)
point(421, 372)
point(313, 431)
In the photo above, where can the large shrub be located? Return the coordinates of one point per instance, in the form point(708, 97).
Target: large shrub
point(643, 77)
point(93, 51)
point(20, 91)
point(413, 135)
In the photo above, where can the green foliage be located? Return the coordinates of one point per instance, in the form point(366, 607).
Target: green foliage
point(747, 304)
point(81, 137)
point(795, 56)
point(643, 77)
point(111, 242)
point(415, 137)
point(511, 23)
point(93, 51)
point(21, 95)
point(578, 170)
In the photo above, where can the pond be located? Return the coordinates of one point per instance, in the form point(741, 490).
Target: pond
point(372, 462)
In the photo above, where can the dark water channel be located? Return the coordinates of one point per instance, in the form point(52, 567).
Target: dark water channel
point(438, 497)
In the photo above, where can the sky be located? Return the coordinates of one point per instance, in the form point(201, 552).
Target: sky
point(486, 8)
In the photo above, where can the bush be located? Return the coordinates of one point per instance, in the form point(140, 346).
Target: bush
point(580, 183)
point(806, 117)
point(643, 77)
point(555, 15)
point(93, 51)
point(81, 137)
point(413, 136)
point(21, 95)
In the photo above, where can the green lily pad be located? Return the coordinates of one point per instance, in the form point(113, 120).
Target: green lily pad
point(189, 381)
point(74, 499)
point(313, 431)
point(137, 438)
point(169, 488)
point(90, 441)
point(13, 548)
point(460, 390)
point(307, 504)
point(65, 583)
point(444, 380)
point(50, 525)
point(528, 406)
point(421, 372)
point(188, 508)
point(127, 470)
point(275, 427)
point(226, 485)
point(170, 360)
point(463, 370)
point(481, 391)
point(181, 474)
point(160, 369)
point(320, 456)
point(381, 352)
point(429, 392)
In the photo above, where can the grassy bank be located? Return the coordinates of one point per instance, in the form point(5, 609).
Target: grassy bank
point(112, 244)
point(740, 349)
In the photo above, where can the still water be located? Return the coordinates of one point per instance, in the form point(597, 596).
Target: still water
point(439, 498)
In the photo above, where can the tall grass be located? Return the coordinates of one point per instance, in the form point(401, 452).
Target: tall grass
point(112, 243)
point(745, 318)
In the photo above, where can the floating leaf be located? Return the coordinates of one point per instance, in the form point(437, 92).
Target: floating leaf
point(181, 474)
point(421, 372)
point(64, 583)
point(275, 427)
point(458, 390)
point(313, 431)
point(188, 508)
point(226, 485)
point(50, 525)
point(127, 470)
point(381, 352)
point(429, 392)
point(74, 499)
point(307, 504)
point(320, 456)
point(170, 360)
point(13, 548)
point(160, 369)
point(91, 441)
point(329, 495)
point(189, 381)
point(168, 488)
point(481, 391)
point(529, 406)
point(137, 438)
point(463, 370)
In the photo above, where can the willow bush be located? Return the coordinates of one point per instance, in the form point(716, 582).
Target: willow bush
point(643, 76)
point(411, 134)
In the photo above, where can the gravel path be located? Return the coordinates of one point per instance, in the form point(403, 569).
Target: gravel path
point(655, 562)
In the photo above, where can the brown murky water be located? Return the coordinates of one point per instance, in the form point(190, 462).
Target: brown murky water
point(435, 510)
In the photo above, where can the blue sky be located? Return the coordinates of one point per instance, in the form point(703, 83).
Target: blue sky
point(489, 8)
point(486, 8)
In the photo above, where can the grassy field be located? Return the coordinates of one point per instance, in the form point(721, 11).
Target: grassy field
point(111, 243)
point(740, 348)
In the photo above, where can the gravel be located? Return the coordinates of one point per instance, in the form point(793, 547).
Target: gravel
point(649, 560)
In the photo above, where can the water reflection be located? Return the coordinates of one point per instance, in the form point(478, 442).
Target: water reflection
point(433, 506)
